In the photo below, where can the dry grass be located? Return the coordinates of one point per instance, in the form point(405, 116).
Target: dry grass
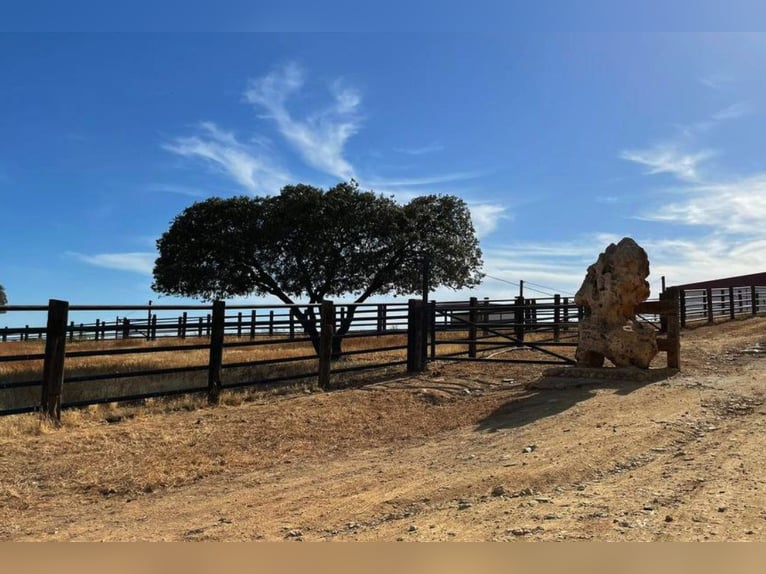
point(30, 424)
point(88, 456)
point(24, 370)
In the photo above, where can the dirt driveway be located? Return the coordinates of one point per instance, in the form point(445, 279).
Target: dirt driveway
point(463, 452)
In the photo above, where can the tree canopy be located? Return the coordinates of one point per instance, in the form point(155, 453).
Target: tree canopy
point(3, 297)
point(308, 243)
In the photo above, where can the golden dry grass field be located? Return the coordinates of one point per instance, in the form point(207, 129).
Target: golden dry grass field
point(465, 451)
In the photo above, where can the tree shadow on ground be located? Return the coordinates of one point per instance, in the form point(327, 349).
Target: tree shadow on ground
point(554, 396)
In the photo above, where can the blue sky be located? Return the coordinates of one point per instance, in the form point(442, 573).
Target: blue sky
point(560, 142)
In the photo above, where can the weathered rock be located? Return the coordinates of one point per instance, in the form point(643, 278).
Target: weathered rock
point(614, 285)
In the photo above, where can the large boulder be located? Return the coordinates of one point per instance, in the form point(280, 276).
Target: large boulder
point(612, 288)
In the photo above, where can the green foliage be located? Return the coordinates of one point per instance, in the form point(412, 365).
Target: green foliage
point(306, 242)
point(315, 244)
point(3, 297)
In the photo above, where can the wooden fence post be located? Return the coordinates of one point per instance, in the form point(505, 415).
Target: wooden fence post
point(292, 323)
point(327, 319)
point(239, 324)
point(271, 323)
point(384, 318)
point(472, 331)
point(673, 301)
point(753, 300)
point(664, 296)
point(556, 318)
point(125, 327)
point(709, 294)
point(218, 326)
point(566, 314)
point(432, 327)
point(415, 310)
point(53, 365)
point(253, 317)
point(682, 306)
point(731, 303)
point(485, 318)
point(518, 319)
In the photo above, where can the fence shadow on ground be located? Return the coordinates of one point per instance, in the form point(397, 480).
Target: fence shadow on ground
point(557, 395)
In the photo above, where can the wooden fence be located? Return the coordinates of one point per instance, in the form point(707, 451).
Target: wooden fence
point(394, 334)
point(227, 328)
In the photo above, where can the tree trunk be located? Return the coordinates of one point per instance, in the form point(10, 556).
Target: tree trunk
point(343, 329)
point(308, 321)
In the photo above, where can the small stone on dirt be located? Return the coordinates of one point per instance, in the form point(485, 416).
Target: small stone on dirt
point(499, 490)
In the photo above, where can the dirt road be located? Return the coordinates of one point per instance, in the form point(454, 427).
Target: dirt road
point(463, 452)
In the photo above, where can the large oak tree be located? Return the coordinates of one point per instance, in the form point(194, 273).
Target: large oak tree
point(308, 243)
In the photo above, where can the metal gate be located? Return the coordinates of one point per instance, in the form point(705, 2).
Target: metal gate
point(540, 331)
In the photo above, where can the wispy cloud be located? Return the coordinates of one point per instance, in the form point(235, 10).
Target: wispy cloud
point(723, 213)
point(320, 137)
point(674, 156)
point(425, 180)
point(732, 112)
point(252, 169)
point(730, 207)
point(417, 151)
point(718, 82)
point(558, 265)
point(487, 216)
point(176, 190)
point(561, 265)
point(137, 262)
point(667, 158)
